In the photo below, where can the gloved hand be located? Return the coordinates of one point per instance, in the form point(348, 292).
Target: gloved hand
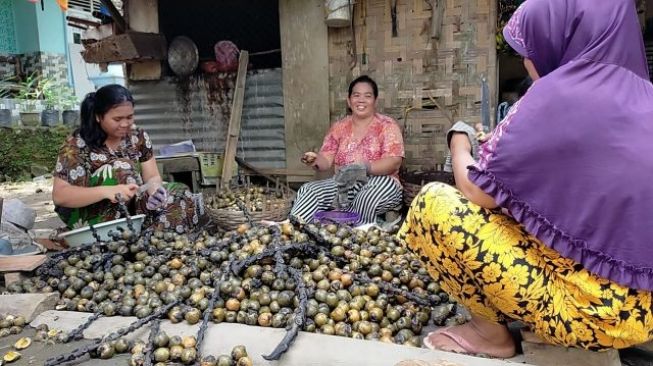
point(341, 201)
point(351, 174)
point(463, 127)
point(346, 178)
point(157, 200)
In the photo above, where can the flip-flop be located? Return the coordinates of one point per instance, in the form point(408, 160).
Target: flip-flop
point(468, 348)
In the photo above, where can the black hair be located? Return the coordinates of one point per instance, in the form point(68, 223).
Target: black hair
point(364, 79)
point(523, 86)
point(511, 85)
point(96, 105)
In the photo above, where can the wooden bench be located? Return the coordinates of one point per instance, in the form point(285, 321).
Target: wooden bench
point(12, 266)
point(184, 169)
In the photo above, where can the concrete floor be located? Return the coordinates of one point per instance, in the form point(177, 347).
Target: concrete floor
point(308, 350)
point(38, 352)
point(36, 195)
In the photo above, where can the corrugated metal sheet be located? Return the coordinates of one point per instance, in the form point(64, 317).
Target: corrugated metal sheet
point(198, 110)
point(262, 141)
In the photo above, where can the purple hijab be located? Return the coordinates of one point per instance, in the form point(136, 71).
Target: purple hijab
point(573, 160)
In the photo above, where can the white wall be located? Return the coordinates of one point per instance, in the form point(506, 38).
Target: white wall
point(84, 74)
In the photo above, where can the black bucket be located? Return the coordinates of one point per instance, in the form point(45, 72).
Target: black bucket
point(70, 117)
point(49, 117)
point(5, 118)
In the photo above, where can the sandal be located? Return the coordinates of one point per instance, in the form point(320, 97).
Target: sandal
point(466, 346)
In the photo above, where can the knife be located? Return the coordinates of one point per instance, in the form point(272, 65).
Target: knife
point(485, 103)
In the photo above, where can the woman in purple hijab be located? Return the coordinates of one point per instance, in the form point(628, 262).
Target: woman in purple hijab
point(553, 225)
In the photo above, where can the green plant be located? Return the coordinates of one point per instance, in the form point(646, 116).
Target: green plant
point(29, 90)
point(57, 95)
point(7, 87)
point(69, 100)
point(51, 93)
point(21, 148)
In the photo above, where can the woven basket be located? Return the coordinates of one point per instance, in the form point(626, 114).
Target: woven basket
point(230, 219)
point(411, 189)
point(276, 210)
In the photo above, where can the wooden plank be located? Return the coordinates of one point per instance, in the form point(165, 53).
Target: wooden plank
point(254, 169)
point(305, 61)
point(281, 171)
point(14, 277)
point(492, 67)
point(121, 25)
point(234, 120)
point(257, 171)
point(21, 263)
point(145, 70)
point(143, 16)
point(179, 164)
point(133, 46)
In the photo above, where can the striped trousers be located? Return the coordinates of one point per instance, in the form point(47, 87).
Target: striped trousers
point(380, 194)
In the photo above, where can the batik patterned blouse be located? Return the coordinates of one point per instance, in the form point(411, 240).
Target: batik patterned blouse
point(382, 140)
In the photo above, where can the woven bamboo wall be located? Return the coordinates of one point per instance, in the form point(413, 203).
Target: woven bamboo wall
point(411, 67)
point(424, 138)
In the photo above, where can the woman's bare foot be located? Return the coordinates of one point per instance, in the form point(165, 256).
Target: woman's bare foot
point(478, 337)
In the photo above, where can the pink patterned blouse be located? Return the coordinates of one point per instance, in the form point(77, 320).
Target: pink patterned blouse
point(383, 139)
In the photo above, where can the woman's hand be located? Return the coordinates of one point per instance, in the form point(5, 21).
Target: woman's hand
point(309, 158)
point(126, 192)
point(317, 161)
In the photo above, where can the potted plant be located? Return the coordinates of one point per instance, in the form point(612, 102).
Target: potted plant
point(70, 115)
point(29, 93)
point(5, 113)
point(52, 98)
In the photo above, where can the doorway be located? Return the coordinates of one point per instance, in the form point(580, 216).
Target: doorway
point(252, 25)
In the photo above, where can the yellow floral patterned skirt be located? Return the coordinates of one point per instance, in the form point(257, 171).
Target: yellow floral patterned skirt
point(489, 263)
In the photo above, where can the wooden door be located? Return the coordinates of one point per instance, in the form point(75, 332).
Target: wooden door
point(305, 61)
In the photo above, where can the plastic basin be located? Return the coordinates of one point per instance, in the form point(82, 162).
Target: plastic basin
point(337, 217)
point(83, 235)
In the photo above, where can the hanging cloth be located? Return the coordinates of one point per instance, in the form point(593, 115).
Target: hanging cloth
point(63, 4)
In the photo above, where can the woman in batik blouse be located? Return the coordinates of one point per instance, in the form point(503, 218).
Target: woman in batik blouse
point(108, 160)
point(366, 149)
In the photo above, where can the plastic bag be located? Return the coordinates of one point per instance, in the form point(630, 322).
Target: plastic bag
point(226, 56)
point(17, 237)
point(18, 213)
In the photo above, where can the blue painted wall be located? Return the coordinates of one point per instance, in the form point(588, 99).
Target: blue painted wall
point(27, 35)
point(7, 31)
point(51, 27)
point(39, 30)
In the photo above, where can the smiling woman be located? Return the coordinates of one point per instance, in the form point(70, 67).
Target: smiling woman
point(366, 148)
point(107, 160)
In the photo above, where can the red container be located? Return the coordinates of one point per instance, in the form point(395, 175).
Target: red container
point(209, 67)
